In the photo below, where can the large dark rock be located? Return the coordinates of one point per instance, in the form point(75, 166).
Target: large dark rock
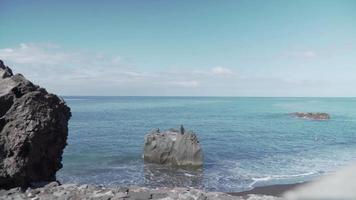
point(33, 131)
point(172, 147)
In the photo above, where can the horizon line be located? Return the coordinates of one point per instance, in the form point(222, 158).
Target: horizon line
point(207, 96)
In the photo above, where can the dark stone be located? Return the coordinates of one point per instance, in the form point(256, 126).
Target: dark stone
point(33, 131)
point(5, 71)
point(312, 116)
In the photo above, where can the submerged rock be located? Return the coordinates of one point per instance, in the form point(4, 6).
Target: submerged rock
point(174, 148)
point(312, 116)
point(33, 131)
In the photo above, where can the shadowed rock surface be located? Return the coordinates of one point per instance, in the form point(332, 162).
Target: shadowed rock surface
point(33, 131)
point(312, 116)
point(173, 148)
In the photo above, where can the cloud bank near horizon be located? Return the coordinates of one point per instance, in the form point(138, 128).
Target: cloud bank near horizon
point(90, 73)
point(78, 72)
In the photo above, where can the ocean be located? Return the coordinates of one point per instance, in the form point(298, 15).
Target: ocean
point(247, 142)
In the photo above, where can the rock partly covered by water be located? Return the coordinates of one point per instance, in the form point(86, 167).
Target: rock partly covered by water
point(172, 147)
point(72, 191)
point(312, 116)
point(33, 131)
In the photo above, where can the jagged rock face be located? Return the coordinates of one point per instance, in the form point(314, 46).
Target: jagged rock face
point(173, 148)
point(33, 131)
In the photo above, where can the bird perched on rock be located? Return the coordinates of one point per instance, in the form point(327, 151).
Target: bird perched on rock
point(182, 129)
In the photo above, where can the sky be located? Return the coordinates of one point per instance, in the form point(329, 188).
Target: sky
point(183, 48)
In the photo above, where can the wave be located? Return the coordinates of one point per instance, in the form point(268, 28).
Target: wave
point(278, 177)
point(189, 175)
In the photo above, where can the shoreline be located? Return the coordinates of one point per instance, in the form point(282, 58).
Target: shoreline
point(271, 190)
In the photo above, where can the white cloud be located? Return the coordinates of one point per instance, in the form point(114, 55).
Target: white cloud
point(302, 54)
point(58, 69)
point(213, 72)
point(188, 84)
point(44, 63)
point(309, 54)
point(116, 60)
point(34, 54)
point(91, 73)
point(221, 71)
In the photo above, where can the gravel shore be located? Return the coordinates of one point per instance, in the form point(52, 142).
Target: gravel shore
point(72, 192)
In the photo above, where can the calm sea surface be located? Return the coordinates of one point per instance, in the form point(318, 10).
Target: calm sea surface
point(247, 142)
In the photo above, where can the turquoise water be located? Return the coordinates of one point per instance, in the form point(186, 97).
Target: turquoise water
point(247, 142)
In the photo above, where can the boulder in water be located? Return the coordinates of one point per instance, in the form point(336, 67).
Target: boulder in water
point(33, 131)
point(172, 147)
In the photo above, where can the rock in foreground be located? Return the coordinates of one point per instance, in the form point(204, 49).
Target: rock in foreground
point(33, 131)
point(172, 147)
point(312, 116)
point(72, 191)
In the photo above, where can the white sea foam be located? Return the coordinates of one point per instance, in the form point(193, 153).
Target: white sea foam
point(189, 175)
point(279, 177)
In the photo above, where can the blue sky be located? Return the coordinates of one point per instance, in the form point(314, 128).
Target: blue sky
point(188, 48)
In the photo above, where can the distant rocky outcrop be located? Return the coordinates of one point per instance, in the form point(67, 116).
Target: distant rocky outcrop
point(33, 131)
point(312, 116)
point(173, 147)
